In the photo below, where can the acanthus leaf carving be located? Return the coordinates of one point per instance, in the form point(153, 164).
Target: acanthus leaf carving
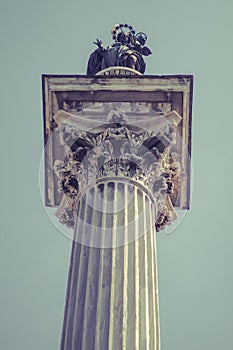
point(122, 150)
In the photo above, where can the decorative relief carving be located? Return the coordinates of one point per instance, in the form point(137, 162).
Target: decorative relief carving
point(118, 149)
point(115, 71)
point(151, 96)
point(72, 106)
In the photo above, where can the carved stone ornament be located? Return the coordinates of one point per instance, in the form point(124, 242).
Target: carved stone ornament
point(140, 97)
point(118, 149)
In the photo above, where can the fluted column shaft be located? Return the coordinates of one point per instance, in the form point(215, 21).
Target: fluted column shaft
point(112, 294)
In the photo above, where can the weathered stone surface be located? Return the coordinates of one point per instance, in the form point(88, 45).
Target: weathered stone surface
point(112, 295)
point(116, 172)
point(137, 94)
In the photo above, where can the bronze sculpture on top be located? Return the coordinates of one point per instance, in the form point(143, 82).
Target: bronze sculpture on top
point(127, 50)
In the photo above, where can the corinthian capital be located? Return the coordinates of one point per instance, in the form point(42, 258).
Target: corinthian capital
point(118, 148)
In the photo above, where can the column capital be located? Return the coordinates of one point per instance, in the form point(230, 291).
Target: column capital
point(117, 148)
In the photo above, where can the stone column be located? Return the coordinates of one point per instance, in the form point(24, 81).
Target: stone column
point(117, 191)
point(112, 295)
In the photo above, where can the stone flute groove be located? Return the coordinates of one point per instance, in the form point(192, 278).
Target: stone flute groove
point(112, 296)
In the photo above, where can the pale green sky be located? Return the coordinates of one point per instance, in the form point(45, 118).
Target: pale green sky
point(195, 261)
